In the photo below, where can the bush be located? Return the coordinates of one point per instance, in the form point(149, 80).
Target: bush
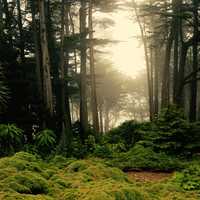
point(45, 142)
point(11, 139)
point(189, 178)
point(103, 151)
point(127, 133)
point(140, 157)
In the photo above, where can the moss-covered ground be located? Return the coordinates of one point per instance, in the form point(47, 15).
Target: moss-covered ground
point(26, 177)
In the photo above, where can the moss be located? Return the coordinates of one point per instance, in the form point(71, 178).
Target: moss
point(22, 161)
point(77, 166)
point(87, 179)
point(27, 182)
point(104, 190)
point(14, 196)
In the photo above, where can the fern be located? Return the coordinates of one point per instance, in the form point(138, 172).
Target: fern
point(10, 138)
point(45, 141)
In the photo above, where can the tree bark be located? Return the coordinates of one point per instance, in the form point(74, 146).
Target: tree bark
point(46, 67)
point(165, 93)
point(95, 117)
point(66, 132)
point(193, 97)
point(20, 26)
point(83, 71)
point(149, 82)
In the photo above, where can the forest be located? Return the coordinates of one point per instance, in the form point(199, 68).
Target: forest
point(99, 99)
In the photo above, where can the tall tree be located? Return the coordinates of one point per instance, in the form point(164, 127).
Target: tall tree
point(95, 117)
point(83, 71)
point(46, 67)
point(66, 134)
point(193, 100)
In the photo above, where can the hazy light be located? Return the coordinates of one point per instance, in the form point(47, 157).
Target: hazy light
point(127, 55)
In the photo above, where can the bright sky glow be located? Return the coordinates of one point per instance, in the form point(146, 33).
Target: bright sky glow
point(128, 55)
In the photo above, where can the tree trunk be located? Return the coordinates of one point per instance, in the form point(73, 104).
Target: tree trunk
point(106, 120)
point(38, 61)
point(165, 93)
point(193, 98)
point(47, 87)
point(177, 36)
point(20, 26)
point(83, 71)
point(66, 132)
point(183, 56)
point(95, 118)
point(149, 82)
point(156, 81)
point(101, 118)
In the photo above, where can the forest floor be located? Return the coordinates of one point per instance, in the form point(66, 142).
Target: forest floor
point(148, 176)
point(26, 177)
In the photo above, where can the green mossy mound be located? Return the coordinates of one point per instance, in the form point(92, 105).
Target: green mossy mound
point(26, 177)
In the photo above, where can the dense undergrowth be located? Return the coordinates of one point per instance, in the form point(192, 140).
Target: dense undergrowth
point(94, 169)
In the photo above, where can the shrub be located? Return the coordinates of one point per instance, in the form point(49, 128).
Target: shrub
point(10, 139)
point(126, 133)
point(103, 151)
point(189, 178)
point(45, 142)
point(174, 134)
point(140, 157)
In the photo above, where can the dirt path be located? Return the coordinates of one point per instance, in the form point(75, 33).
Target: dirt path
point(145, 176)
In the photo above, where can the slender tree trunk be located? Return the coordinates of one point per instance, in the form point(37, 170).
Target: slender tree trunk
point(47, 85)
point(38, 60)
point(176, 57)
point(19, 21)
point(95, 118)
point(181, 74)
point(101, 118)
point(83, 72)
point(149, 82)
point(193, 100)
point(106, 120)
point(165, 93)
point(66, 135)
point(156, 82)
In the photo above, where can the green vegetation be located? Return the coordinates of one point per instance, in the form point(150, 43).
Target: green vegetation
point(26, 176)
point(10, 139)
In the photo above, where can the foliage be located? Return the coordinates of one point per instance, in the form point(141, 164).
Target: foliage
point(189, 178)
point(170, 133)
point(45, 141)
point(145, 158)
point(81, 179)
point(126, 133)
point(10, 138)
point(103, 151)
point(4, 92)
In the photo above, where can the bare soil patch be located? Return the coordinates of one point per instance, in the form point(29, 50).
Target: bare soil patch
point(146, 176)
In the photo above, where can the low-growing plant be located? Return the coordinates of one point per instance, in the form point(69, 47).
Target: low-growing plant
point(45, 142)
point(103, 151)
point(126, 133)
point(11, 138)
